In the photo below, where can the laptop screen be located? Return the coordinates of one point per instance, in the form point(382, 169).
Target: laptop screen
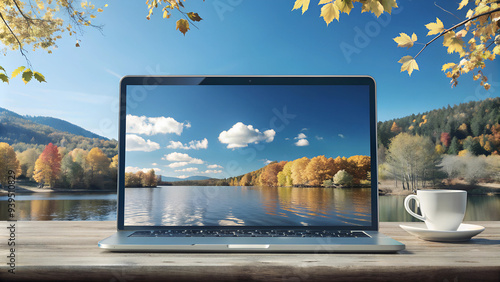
point(247, 152)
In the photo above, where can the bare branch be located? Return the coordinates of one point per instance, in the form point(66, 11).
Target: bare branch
point(446, 11)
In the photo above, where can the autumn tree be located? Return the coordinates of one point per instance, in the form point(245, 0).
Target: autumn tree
point(269, 176)
point(8, 162)
point(445, 139)
point(412, 159)
point(395, 128)
point(27, 160)
point(342, 178)
point(97, 162)
point(285, 176)
point(361, 166)
point(298, 171)
point(246, 180)
point(48, 166)
point(72, 171)
point(318, 170)
point(149, 179)
point(132, 180)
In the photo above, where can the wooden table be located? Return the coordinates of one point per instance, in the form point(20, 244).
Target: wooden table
point(67, 250)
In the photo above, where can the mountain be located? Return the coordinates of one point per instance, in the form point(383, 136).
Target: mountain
point(23, 132)
point(174, 179)
point(63, 125)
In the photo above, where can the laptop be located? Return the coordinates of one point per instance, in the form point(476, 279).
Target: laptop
point(248, 164)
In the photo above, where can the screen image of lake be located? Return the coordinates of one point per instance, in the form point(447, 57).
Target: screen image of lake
point(246, 206)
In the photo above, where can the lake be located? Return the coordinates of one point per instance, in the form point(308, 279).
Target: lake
point(294, 205)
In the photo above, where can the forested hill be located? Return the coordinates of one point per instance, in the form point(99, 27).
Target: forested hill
point(63, 125)
point(22, 133)
point(462, 126)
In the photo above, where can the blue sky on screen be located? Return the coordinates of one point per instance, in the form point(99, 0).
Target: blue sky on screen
point(223, 131)
point(241, 37)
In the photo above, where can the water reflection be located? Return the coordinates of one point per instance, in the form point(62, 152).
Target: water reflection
point(479, 207)
point(72, 206)
point(250, 206)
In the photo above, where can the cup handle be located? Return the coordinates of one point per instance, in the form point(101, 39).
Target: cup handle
point(407, 207)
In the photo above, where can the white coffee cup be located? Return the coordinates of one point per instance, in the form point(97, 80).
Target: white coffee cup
point(442, 210)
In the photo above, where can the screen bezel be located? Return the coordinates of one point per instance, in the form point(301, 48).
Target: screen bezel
point(152, 81)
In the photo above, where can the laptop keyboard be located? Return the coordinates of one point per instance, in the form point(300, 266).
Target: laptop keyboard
point(248, 233)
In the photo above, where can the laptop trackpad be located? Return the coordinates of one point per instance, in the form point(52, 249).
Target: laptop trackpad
point(247, 246)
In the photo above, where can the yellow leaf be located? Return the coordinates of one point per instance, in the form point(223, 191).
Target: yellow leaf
point(448, 66)
point(435, 28)
point(324, 2)
point(182, 26)
point(100, 10)
point(373, 6)
point(17, 71)
point(463, 4)
point(92, 16)
point(496, 50)
point(329, 12)
point(388, 5)
point(461, 33)
point(165, 14)
point(408, 64)
point(106, 5)
point(301, 3)
point(453, 43)
point(404, 40)
point(469, 14)
point(344, 6)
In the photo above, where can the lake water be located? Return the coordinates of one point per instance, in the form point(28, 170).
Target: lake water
point(283, 204)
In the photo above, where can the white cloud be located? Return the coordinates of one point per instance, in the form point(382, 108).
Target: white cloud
point(302, 142)
point(177, 164)
point(214, 166)
point(136, 169)
point(195, 144)
point(154, 125)
point(266, 161)
point(182, 176)
point(301, 136)
point(155, 164)
point(341, 136)
point(188, 169)
point(180, 157)
point(319, 137)
point(211, 171)
point(136, 143)
point(240, 135)
point(304, 129)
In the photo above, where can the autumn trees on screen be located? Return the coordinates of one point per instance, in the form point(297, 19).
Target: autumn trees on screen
point(8, 162)
point(304, 172)
point(141, 179)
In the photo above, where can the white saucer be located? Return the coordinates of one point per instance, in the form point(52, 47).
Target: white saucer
point(464, 232)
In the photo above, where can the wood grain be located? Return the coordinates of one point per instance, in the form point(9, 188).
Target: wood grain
point(67, 250)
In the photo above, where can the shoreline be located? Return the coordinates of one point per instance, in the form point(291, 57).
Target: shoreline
point(489, 189)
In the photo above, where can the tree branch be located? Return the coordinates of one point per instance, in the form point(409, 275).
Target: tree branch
point(454, 27)
point(21, 49)
point(446, 10)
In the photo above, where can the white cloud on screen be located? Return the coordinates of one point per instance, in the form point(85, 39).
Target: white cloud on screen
point(180, 160)
point(211, 171)
point(302, 141)
point(240, 135)
point(177, 164)
point(214, 166)
point(136, 169)
point(154, 125)
point(188, 169)
point(341, 136)
point(195, 144)
point(136, 143)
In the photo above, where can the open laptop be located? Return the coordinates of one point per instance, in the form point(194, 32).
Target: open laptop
point(248, 164)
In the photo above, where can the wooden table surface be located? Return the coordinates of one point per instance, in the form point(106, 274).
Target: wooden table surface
point(67, 250)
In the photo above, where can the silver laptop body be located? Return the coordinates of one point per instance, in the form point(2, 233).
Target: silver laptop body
point(248, 164)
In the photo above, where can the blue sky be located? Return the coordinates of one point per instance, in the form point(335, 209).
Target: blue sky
point(244, 37)
point(223, 131)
